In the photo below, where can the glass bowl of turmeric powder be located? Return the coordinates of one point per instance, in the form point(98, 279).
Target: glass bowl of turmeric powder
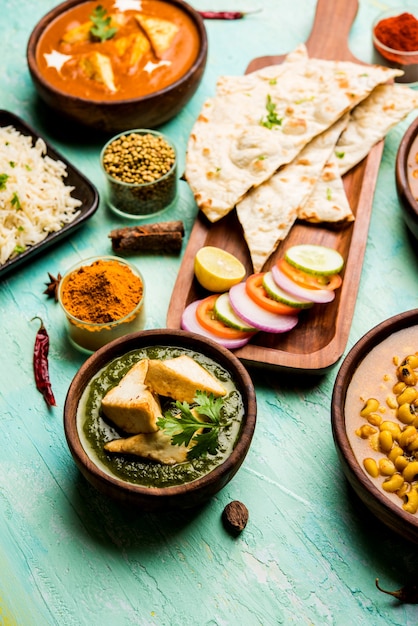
point(395, 38)
point(103, 299)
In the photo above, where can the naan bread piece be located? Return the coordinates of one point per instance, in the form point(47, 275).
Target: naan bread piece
point(371, 120)
point(160, 32)
point(328, 201)
point(242, 138)
point(268, 212)
point(229, 84)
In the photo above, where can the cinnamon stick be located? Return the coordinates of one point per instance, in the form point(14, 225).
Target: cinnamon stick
point(159, 237)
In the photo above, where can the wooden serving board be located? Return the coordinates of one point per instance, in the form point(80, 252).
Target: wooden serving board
point(319, 339)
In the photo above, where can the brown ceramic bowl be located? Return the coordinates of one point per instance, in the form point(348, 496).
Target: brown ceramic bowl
point(406, 172)
point(185, 495)
point(351, 391)
point(113, 116)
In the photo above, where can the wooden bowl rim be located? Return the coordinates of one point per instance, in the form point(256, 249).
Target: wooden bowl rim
point(148, 98)
point(358, 352)
point(162, 337)
point(401, 167)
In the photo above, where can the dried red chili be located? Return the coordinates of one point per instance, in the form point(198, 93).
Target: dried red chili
point(225, 15)
point(40, 364)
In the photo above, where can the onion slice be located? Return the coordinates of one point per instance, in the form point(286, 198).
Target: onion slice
point(189, 322)
point(320, 296)
point(260, 318)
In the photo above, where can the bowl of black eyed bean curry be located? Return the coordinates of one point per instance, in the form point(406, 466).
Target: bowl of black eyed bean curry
point(374, 415)
point(160, 419)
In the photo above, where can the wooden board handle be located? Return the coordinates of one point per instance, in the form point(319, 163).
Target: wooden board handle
point(331, 29)
point(329, 35)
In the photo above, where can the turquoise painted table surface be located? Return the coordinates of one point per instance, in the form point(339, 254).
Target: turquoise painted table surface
point(311, 552)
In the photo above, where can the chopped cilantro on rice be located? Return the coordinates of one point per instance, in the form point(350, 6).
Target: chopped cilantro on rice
point(34, 200)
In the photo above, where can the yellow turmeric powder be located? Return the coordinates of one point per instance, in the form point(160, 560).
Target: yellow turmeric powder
point(102, 292)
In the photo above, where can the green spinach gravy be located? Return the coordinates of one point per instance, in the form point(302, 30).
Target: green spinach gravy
point(94, 431)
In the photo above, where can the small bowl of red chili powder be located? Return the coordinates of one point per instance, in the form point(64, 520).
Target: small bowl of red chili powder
point(395, 38)
point(103, 299)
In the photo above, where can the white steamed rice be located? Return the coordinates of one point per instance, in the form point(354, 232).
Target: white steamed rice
point(34, 200)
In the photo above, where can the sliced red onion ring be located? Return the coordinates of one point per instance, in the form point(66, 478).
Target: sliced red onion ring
point(189, 322)
point(253, 314)
point(321, 296)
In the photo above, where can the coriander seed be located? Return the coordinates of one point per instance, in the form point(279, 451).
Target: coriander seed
point(141, 170)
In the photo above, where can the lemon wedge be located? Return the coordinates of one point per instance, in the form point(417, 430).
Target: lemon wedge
point(217, 270)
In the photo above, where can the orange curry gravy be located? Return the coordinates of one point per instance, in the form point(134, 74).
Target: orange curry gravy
point(133, 76)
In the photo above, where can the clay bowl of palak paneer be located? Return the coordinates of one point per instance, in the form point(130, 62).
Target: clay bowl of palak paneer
point(160, 419)
point(118, 64)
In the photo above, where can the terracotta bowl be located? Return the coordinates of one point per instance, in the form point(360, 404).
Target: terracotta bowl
point(388, 508)
point(113, 116)
point(185, 495)
point(406, 165)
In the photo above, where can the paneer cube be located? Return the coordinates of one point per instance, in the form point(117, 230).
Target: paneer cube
point(98, 67)
point(179, 378)
point(154, 446)
point(130, 405)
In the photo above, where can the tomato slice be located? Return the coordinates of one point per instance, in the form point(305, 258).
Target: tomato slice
point(206, 317)
point(255, 289)
point(309, 281)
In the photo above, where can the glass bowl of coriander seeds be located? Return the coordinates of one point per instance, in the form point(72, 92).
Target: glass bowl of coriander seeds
point(141, 172)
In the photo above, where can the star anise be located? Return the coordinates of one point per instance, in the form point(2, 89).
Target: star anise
point(52, 287)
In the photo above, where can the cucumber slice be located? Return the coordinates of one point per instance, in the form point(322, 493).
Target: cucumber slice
point(224, 312)
point(275, 292)
point(315, 259)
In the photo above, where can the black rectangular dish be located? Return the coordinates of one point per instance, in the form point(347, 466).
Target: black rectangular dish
point(84, 191)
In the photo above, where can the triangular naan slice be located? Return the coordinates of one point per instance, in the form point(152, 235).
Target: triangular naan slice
point(268, 212)
point(328, 201)
point(229, 84)
point(226, 153)
point(371, 120)
point(160, 32)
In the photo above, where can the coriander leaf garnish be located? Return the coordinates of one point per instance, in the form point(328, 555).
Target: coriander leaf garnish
point(3, 181)
point(183, 426)
point(101, 28)
point(15, 201)
point(329, 194)
point(271, 118)
point(340, 155)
